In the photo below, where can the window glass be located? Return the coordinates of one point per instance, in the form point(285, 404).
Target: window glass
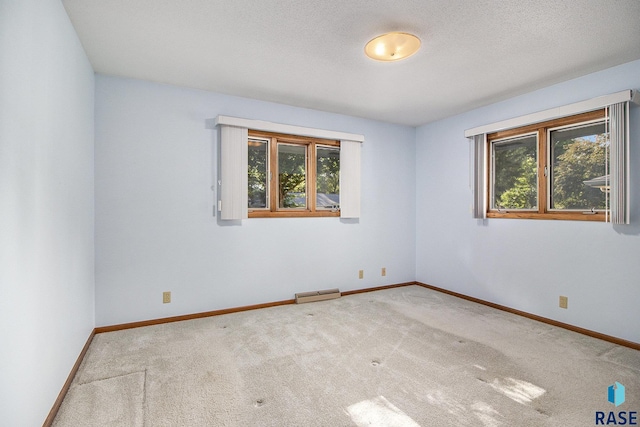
point(292, 176)
point(258, 170)
point(579, 177)
point(514, 173)
point(327, 177)
point(556, 169)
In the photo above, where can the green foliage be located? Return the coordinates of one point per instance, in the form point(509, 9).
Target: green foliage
point(292, 177)
point(257, 171)
point(516, 182)
point(328, 171)
point(292, 174)
point(523, 193)
point(576, 161)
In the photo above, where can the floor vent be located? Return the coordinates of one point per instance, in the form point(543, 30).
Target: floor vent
point(317, 295)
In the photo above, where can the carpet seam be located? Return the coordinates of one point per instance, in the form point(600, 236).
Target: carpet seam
point(108, 378)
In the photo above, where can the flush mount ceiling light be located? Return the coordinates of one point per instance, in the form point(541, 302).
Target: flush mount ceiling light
point(392, 46)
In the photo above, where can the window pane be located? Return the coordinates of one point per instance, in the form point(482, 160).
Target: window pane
point(579, 177)
point(292, 176)
point(258, 173)
point(514, 176)
point(327, 177)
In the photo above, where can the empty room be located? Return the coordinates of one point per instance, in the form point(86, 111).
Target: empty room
point(290, 213)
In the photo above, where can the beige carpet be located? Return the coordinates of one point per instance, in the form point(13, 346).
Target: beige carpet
point(399, 357)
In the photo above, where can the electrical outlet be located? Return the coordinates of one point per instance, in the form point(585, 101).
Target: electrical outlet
point(361, 274)
point(384, 271)
point(166, 297)
point(564, 302)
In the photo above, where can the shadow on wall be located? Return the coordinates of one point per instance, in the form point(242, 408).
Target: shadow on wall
point(628, 230)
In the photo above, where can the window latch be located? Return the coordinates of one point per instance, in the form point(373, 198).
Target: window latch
point(546, 171)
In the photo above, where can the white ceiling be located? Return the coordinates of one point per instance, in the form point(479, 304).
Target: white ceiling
point(310, 53)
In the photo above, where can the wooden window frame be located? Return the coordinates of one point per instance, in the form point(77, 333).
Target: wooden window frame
point(543, 162)
point(273, 211)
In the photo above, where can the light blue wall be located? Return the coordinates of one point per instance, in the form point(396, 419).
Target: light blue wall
point(155, 229)
point(46, 206)
point(527, 264)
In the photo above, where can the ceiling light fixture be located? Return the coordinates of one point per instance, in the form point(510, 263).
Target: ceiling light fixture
point(392, 46)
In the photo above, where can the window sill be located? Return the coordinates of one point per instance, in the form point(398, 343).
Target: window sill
point(293, 214)
point(568, 216)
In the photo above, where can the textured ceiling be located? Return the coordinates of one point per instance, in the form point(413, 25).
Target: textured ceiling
point(311, 53)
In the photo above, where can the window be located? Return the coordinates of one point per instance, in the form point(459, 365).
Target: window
point(258, 168)
point(552, 170)
point(249, 183)
point(577, 154)
point(514, 173)
point(578, 173)
point(292, 175)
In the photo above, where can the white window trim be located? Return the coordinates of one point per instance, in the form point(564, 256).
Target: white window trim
point(628, 95)
point(282, 128)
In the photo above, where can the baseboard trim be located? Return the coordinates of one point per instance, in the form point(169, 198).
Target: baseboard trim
point(172, 319)
point(162, 320)
point(65, 388)
point(588, 332)
point(377, 288)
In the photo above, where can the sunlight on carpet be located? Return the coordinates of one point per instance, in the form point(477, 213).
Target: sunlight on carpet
point(379, 412)
point(487, 414)
point(518, 390)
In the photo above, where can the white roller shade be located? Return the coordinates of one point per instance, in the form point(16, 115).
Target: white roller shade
point(350, 179)
point(233, 179)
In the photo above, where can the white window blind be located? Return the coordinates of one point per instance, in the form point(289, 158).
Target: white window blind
point(349, 179)
point(233, 181)
point(619, 162)
point(479, 175)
